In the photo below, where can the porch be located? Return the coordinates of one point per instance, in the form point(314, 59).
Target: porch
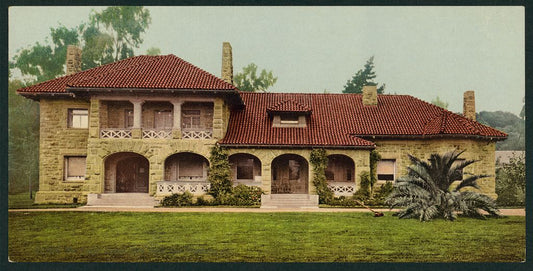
point(156, 119)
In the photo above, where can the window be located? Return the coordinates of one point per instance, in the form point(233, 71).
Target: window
point(78, 118)
point(128, 122)
point(162, 119)
point(289, 119)
point(75, 168)
point(386, 169)
point(190, 119)
point(245, 169)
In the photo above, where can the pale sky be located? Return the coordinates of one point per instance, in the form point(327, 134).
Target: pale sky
point(420, 51)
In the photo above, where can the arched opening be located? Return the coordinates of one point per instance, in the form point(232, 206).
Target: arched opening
point(186, 166)
point(290, 174)
point(245, 169)
point(340, 174)
point(126, 172)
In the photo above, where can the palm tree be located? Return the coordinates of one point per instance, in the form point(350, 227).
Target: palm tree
point(426, 193)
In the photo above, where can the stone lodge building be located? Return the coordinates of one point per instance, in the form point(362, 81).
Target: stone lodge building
point(141, 128)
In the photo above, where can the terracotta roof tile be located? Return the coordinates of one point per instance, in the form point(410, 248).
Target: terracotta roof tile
point(152, 72)
point(342, 120)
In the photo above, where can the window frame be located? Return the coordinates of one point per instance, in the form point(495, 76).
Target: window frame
point(72, 114)
point(387, 174)
point(187, 119)
point(66, 175)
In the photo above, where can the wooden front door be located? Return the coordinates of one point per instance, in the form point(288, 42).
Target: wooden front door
point(132, 175)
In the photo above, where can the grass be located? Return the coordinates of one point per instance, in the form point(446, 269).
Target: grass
point(259, 237)
point(23, 201)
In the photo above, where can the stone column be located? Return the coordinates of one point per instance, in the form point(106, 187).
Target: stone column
point(136, 131)
point(94, 118)
point(176, 127)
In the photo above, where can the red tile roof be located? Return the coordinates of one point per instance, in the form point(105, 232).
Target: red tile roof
point(151, 72)
point(342, 120)
point(290, 105)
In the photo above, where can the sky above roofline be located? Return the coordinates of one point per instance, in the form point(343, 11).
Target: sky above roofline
point(421, 51)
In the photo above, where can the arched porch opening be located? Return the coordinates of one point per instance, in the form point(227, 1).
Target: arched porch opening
point(186, 167)
point(126, 172)
point(340, 174)
point(290, 175)
point(245, 169)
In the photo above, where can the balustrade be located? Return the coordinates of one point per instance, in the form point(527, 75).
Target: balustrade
point(172, 187)
point(342, 188)
point(115, 133)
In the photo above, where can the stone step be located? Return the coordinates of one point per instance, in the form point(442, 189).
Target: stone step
point(289, 201)
point(121, 199)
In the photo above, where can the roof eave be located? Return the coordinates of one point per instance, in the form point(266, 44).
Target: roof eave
point(297, 146)
point(490, 138)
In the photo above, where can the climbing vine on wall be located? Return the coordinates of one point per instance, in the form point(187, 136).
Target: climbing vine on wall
point(219, 172)
point(319, 161)
point(374, 158)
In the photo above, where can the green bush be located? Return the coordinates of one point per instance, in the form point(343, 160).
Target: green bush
point(219, 173)
point(511, 183)
point(244, 195)
point(364, 189)
point(178, 200)
point(319, 161)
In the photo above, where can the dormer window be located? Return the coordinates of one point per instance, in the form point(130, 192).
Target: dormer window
point(289, 113)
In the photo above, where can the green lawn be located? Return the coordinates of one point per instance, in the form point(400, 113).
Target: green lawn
point(259, 237)
point(23, 201)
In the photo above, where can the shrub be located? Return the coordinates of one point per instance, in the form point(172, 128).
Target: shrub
point(511, 183)
point(364, 189)
point(244, 195)
point(219, 173)
point(178, 200)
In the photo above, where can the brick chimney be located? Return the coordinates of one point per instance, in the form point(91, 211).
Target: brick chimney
point(227, 63)
point(73, 59)
point(370, 95)
point(469, 105)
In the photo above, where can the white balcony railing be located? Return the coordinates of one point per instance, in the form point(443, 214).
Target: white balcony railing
point(115, 133)
point(342, 188)
point(157, 134)
point(172, 187)
point(197, 134)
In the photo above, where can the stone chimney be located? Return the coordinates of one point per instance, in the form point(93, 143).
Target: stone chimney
point(370, 95)
point(73, 59)
point(469, 105)
point(227, 63)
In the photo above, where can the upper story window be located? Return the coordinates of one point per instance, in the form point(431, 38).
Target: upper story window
point(78, 118)
point(163, 119)
point(191, 118)
point(128, 114)
point(289, 119)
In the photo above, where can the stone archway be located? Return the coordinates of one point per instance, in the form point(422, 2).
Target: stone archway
point(186, 166)
point(126, 172)
point(245, 169)
point(290, 175)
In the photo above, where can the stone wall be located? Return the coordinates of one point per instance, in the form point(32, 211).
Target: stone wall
point(56, 142)
point(483, 151)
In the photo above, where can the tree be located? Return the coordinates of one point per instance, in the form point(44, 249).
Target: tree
point(426, 191)
point(46, 62)
point(247, 80)
point(508, 123)
point(153, 51)
point(23, 133)
point(125, 24)
point(440, 103)
point(363, 77)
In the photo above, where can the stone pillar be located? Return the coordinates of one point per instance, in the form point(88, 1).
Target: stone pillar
point(469, 105)
point(176, 127)
point(136, 131)
point(73, 59)
point(94, 118)
point(218, 107)
point(227, 63)
point(370, 95)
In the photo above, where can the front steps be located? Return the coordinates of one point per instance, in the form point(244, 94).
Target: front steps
point(121, 199)
point(289, 201)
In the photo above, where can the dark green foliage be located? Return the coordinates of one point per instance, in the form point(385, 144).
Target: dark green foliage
point(247, 80)
point(219, 173)
point(508, 123)
point(374, 158)
point(319, 161)
point(511, 183)
point(242, 195)
point(23, 132)
point(425, 192)
point(364, 187)
point(363, 77)
point(178, 200)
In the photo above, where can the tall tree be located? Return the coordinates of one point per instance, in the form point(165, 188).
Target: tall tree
point(23, 136)
point(153, 51)
point(125, 24)
point(247, 80)
point(363, 77)
point(46, 61)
